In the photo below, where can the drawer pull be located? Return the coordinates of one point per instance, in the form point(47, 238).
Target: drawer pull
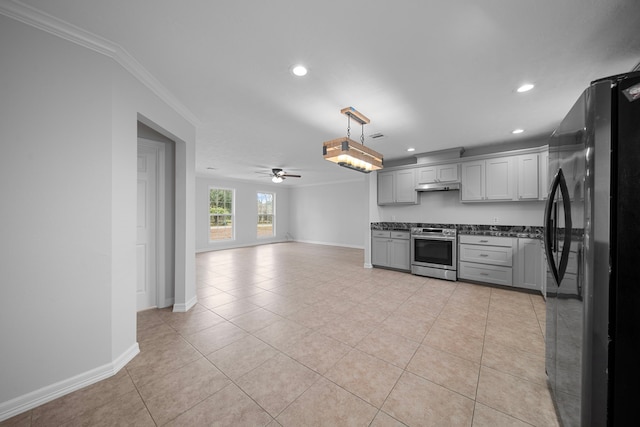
point(484, 241)
point(484, 255)
point(484, 274)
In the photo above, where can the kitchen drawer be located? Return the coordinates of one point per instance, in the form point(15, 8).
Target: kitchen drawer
point(486, 273)
point(495, 255)
point(486, 240)
point(400, 235)
point(381, 233)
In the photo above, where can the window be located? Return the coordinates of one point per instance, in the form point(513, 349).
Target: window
point(266, 214)
point(220, 214)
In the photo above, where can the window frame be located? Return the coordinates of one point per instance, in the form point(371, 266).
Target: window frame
point(232, 215)
point(273, 214)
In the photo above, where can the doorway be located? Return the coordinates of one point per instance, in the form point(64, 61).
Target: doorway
point(155, 234)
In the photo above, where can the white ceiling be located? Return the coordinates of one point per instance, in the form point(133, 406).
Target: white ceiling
point(429, 74)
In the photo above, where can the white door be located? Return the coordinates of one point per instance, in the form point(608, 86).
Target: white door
point(146, 226)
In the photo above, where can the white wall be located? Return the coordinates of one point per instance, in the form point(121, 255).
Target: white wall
point(246, 212)
point(333, 214)
point(68, 119)
point(444, 207)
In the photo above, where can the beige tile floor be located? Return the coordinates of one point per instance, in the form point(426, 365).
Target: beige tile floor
point(296, 334)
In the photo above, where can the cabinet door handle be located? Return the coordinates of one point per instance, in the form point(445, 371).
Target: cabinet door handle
point(484, 241)
point(484, 255)
point(484, 274)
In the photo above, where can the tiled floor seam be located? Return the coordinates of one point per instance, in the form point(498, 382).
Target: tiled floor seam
point(213, 364)
point(144, 402)
point(504, 413)
point(257, 367)
point(514, 376)
point(230, 379)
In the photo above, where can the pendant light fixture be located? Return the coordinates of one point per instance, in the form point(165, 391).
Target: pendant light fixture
point(349, 153)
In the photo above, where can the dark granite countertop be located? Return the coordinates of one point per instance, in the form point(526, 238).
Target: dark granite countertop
point(523, 231)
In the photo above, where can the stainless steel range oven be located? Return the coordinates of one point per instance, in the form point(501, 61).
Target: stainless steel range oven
point(433, 252)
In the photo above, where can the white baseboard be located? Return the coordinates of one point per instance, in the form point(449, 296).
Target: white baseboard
point(222, 246)
point(183, 308)
point(168, 302)
point(48, 393)
point(341, 245)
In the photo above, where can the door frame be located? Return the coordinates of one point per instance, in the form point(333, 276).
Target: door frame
point(160, 209)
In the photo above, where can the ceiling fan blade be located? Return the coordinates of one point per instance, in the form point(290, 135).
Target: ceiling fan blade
point(291, 176)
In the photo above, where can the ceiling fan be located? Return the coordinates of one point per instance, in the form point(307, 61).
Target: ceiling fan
point(278, 175)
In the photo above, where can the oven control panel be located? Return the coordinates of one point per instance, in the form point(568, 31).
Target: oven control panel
point(419, 231)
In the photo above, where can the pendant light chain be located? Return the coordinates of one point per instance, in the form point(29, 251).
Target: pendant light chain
point(362, 136)
point(348, 126)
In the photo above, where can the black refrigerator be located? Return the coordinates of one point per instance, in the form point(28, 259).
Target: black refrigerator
point(592, 246)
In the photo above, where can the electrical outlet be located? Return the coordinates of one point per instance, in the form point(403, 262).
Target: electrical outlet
point(495, 219)
point(393, 218)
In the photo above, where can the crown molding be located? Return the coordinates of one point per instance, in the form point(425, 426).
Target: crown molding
point(43, 21)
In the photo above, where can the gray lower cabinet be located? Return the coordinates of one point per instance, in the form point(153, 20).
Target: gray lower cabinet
point(529, 265)
point(391, 249)
point(508, 261)
point(486, 259)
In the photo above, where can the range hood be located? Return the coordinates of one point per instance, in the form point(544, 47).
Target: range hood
point(438, 186)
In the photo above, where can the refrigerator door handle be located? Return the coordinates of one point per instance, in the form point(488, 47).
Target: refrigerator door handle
point(568, 226)
point(549, 227)
point(579, 272)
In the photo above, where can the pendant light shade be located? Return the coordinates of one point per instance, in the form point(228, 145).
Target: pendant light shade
point(349, 153)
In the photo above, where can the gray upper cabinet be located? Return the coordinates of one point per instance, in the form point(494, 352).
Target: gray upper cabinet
point(543, 174)
point(499, 178)
point(472, 181)
point(528, 177)
point(507, 178)
point(439, 173)
point(397, 187)
point(488, 180)
point(386, 193)
point(518, 175)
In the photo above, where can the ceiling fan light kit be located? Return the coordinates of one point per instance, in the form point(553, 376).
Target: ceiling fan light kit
point(349, 153)
point(278, 175)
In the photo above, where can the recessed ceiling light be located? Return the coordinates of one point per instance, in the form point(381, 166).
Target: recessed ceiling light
point(299, 70)
point(516, 131)
point(411, 149)
point(525, 87)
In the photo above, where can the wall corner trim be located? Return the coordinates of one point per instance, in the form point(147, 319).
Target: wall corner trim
point(48, 393)
point(183, 308)
point(31, 16)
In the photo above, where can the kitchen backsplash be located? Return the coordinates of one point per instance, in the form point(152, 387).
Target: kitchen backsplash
point(499, 230)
